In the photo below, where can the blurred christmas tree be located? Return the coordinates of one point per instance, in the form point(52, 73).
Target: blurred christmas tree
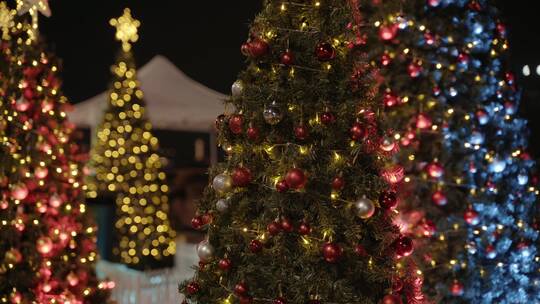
point(300, 212)
point(48, 247)
point(127, 165)
point(469, 193)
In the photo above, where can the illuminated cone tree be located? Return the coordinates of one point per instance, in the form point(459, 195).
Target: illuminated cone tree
point(48, 247)
point(127, 165)
point(299, 212)
point(469, 194)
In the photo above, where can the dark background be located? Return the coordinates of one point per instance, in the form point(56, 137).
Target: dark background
point(203, 37)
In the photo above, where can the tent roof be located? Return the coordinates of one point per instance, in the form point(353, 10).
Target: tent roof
point(173, 100)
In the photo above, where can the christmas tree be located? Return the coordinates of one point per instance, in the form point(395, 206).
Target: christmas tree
point(300, 211)
point(127, 165)
point(48, 247)
point(468, 195)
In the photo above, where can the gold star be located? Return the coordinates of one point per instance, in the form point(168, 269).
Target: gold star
point(126, 29)
point(6, 19)
point(25, 6)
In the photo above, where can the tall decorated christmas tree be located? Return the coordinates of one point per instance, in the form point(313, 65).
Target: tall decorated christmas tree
point(468, 196)
point(301, 211)
point(48, 247)
point(127, 165)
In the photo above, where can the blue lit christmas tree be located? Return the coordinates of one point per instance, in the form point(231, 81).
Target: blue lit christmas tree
point(452, 104)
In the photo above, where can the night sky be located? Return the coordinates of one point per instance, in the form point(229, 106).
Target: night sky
point(203, 37)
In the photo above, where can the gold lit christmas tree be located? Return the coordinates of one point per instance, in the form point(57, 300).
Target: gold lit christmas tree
point(127, 165)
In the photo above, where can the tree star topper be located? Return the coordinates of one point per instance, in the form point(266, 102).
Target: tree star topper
point(126, 29)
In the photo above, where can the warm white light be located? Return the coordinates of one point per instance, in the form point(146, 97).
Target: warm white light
point(526, 70)
point(538, 70)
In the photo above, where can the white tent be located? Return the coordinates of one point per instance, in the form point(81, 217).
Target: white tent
point(173, 100)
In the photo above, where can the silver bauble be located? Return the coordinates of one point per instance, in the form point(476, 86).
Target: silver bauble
point(237, 88)
point(272, 114)
point(364, 208)
point(222, 183)
point(222, 205)
point(205, 251)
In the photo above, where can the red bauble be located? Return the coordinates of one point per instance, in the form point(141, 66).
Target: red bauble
point(435, 170)
point(197, 222)
point(287, 225)
point(287, 58)
point(29, 93)
point(304, 229)
point(390, 100)
point(332, 252)
point(358, 131)
point(19, 191)
point(386, 59)
point(225, 264)
point(282, 186)
point(403, 246)
point(241, 177)
point(433, 2)
point(456, 288)
point(192, 288)
point(414, 70)
point(328, 118)
point(241, 289)
point(360, 250)
point(439, 198)
point(246, 300)
point(471, 217)
point(391, 299)
point(244, 49)
point(397, 284)
point(295, 178)
point(423, 121)
point(253, 133)
point(388, 32)
point(273, 228)
point(41, 172)
point(338, 183)
point(428, 228)
point(325, 51)
point(301, 132)
point(280, 300)
point(255, 246)
point(388, 200)
point(393, 174)
point(258, 47)
point(236, 123)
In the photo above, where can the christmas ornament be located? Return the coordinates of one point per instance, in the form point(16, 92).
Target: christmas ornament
point(41, 172)
point(414, 69)
point(386, 59)
point(471, 217)
point(237, 88)
point(255, 246)
point(222, 205)
point(273, 228)
point(403, 246)
point(357, 131)
point(222, 183)
point(13, 256)
point(434, 3)
point(332, 252)
point(296, 179)
point(435, 170)
point(44, 245)
point(388, 145)
point(390, 100)
point(241, 289)
point(287, 58)
point(439, 198)
point(456, 288)
point(391, 299)
point(205, 251)
point(19, 191)
point(72, 279)
point(388, 200)
point(360, 250)
point(287, 225)
point(225, 264)
point(253, 133)
point(423, 121)
point(482, 117)
point(280, 300)
point(272, 114)
point(428, 228)
point(197, 222)
point(364, 208)
point(241, 177)
point(393, 174)
point(328, 118)
point(301, 132)
point(55, 201)
point(338, 183)
point(397, 284)
point(304, 229)
point(325, 51)
point(258, 48)
point(388, 32)
point(236, 123)
point(192, 288)
point(282, 186)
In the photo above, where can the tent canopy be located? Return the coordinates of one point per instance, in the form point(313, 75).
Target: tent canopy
point(173, 100)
